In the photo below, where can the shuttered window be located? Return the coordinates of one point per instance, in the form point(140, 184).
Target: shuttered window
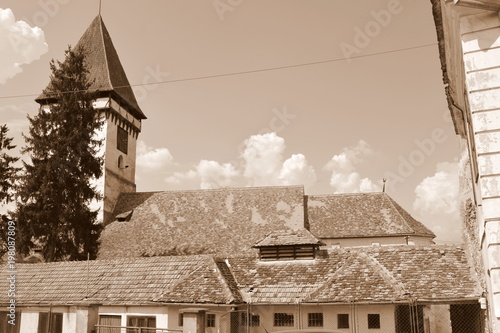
point(291, 252)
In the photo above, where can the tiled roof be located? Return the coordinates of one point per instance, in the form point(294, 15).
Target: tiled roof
point(184, 279)
point(289, 237)
point(360, 215)
point(224, 221)
point(105, 67)
point(378, 274)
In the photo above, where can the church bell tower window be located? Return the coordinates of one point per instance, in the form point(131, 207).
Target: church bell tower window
point(122, 140)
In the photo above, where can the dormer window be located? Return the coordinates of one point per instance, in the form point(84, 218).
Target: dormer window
point(288, 245)
point(291, 252)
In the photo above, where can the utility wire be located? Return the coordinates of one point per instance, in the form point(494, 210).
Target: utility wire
point(247, 72)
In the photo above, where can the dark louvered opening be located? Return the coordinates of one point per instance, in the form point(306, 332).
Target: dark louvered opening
point(289, 252)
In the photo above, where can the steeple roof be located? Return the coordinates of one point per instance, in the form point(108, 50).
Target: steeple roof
point(105, 68)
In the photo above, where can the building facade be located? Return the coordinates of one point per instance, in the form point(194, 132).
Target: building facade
point(469, 40)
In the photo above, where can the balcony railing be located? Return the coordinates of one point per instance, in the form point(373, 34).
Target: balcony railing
point(132, 329)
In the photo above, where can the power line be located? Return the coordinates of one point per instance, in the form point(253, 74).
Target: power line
point(250, 71)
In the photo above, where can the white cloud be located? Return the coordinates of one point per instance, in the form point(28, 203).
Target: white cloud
point(180, 177)
point(151, 160)
point(438, 193)
point(20, 44)
point(260, 164)
point(297, 171)
point(345, 178)
point(263, 157)
point(214, 175)
point(436, 201)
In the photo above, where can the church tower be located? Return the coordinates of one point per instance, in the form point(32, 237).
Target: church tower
point(117, 104)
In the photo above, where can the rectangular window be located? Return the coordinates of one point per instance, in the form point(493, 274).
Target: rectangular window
point(52, 323)
point(283, 319)
point(7, 327)
point(210, 320)
point(109, 320)
point(136, 321)
point(122, 140)
point(253, 319)
point(315, 319)
point(342, 320)
point(374, 321)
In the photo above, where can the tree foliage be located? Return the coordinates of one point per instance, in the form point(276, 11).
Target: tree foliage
point(55, 189)
point(8, 174)
point(8, 171)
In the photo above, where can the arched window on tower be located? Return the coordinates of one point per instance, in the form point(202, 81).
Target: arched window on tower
point(121, 162)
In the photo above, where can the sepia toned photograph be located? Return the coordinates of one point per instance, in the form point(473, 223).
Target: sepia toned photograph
point(250, 166)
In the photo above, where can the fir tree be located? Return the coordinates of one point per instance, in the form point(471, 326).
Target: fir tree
point(7, 169)
point(8, 173)
point(55, 189)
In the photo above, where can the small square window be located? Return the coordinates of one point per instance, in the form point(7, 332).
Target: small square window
point(210, 320)
point(342, 320)
point(253, 319)
point(374, 321)
point(283, 319)
point(315, 319)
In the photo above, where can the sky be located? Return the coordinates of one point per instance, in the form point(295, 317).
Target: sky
point(334, 95)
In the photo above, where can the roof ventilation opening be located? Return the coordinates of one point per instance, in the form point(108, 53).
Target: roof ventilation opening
point(288, 245)
point(124, 217)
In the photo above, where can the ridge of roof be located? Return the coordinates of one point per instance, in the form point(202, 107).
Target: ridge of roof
point(423, 229)
point(101, 28)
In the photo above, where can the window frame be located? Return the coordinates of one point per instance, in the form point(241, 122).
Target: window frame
point(250, 319)
point(315, 322)
point(283, 319)
point(210, 320)
point(148, 318)
point(122, 140)
point(53, 322)
point(344, 321)
point(373, 321)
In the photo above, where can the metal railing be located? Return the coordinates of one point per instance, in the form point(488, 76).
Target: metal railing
point(132, 329)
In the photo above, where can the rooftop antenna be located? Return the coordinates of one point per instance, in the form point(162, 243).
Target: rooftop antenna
point(383, 187)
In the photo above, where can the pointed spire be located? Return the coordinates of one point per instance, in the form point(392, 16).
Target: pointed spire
point(105, 67)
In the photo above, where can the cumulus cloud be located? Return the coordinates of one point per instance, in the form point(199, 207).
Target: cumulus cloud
point(20, 44)
point(436, 201)
point(261, 163)
point(263, 158)
point(296, 171)
point(345, 178)
point(150, 159)
point(214, 174)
